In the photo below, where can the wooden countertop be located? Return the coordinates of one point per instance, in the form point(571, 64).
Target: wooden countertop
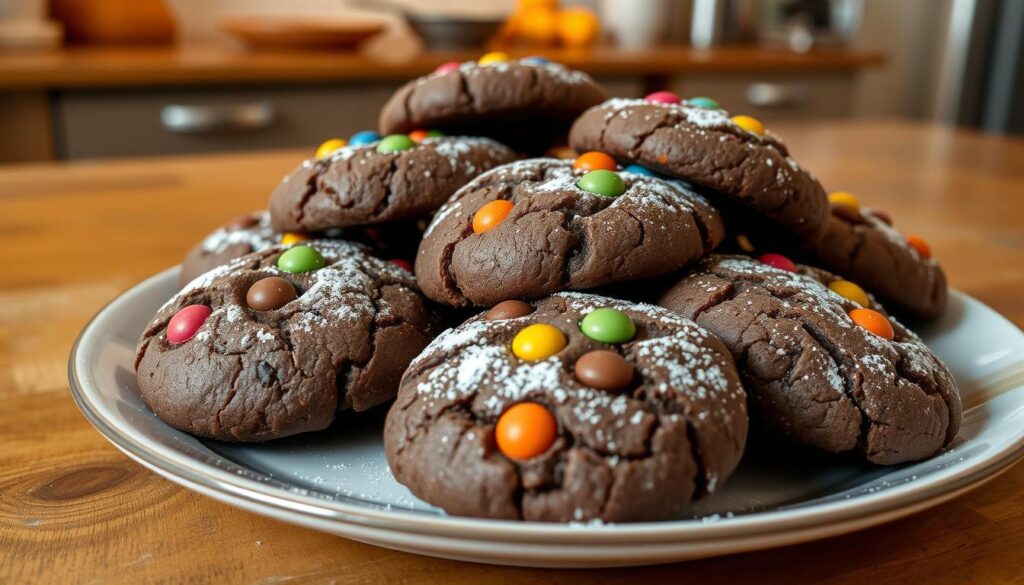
point(141, 66)
point(74, 509)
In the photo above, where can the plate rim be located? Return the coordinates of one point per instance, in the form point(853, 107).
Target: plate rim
point(312, 508)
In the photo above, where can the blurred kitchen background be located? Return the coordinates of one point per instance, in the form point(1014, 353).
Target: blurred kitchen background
point(109, 78)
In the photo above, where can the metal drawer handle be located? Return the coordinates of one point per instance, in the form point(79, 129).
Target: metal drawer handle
point(776, 95)
point(217, 118)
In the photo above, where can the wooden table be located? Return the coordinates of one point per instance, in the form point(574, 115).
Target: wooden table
point(74, 510)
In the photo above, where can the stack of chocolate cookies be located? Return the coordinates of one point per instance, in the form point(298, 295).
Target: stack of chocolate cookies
point(550, 403)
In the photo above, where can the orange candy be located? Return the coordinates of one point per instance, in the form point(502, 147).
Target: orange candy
point(490, 215)
point(417, 136)
point(525, 431)
point(922, 247)
point(873, 321)
point(593, 160)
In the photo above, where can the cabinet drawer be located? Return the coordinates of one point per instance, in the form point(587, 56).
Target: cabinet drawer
point(97, 124)
point(773, 97)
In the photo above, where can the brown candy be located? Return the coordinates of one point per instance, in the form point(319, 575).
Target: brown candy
point(880, 214)
point(604, 370)
point(847, 212)
point(508, 310)
point(242, 222)
point(270, 293)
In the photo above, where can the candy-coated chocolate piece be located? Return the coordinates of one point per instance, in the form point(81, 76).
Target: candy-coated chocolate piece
point(594, 160)
point(490, 215)
point(922, 247)
point(493, 58)
point(844, 198)
point(434, 134)
point(395, 143)
point(602, 182)
point(525, 431)
point(363, 138)
point(704, 102)
point(242, 222)
point(640, 170)
point(873, 321)
point(752, 125)
point(402, 263)
point(662, 97)
point(290, 238)
point(270, 293)
point(777, 261)
point(447, 67)
point(184, 324)
point(880, 214)
point(604, 370)
point(561, 152)
point(538, 342)
point(850, 291)
point(744, 243)
point(329, 147)
point(535, 60)
point(608, 325)
point(300, 259)
point(510, 309)
point(847, 212)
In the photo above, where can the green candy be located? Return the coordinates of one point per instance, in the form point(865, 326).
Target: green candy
point(602, 182)
point(300, 259)
point(608, 325)
point(395, 143)
point(434, 134)
point(704, 102)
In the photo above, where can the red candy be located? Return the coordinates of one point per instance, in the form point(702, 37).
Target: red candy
point(403, 264)
point(184, 324)
point(663, 97)
point(777, 261)
point(447, 67)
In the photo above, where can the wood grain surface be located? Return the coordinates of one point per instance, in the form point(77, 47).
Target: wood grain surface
point(145, 67)
point(74, 510)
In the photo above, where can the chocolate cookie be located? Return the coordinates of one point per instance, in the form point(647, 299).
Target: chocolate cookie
point(240, 236)
point(274, 343)
point(735, 158)
point(818, 366)
point(527, 103)
point(393, 179)
point(539, 226)
point(575, 408)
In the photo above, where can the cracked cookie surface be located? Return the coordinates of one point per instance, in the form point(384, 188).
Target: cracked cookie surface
point(256, 375)
point(814, 375)
point(242, 236)
point(639, 454)
point(558, 236)
point(705, 147)
point(529, 106)
point(357, 185)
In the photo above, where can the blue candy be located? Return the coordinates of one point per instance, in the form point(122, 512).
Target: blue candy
point(535, 60)
point(703, 102)
point(639, 170)
point(364, 137)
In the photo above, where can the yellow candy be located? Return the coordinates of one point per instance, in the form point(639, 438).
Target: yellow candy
point(327, 148)
point(537, 342)
point(495, 57)
point(850, 291)
point(744, 243)
point(293, 238)
point(749, 124)
point(842, 197)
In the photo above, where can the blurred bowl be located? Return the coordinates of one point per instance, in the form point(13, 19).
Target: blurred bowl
point(276, 32)
point(447, 33)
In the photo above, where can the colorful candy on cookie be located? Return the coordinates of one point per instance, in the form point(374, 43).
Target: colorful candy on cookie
point(186, 322)
point(593, 160)
point(329, 147)
point(617, 423)
point(538, 342)
point(602, 182)
point(491, 214)
point(363, 138)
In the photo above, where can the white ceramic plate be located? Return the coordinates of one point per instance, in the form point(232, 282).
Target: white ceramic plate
point(338, 480)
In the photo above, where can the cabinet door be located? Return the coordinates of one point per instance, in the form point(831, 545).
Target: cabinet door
point(775, 96)
point(113, 123)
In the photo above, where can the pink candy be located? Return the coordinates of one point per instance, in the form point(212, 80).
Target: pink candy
point(447, 67)
point(184, 324)
point(663, 97)
point(777, 261)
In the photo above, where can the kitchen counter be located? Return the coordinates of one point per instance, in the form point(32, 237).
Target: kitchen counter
point(73, 509)
point(145, 67)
